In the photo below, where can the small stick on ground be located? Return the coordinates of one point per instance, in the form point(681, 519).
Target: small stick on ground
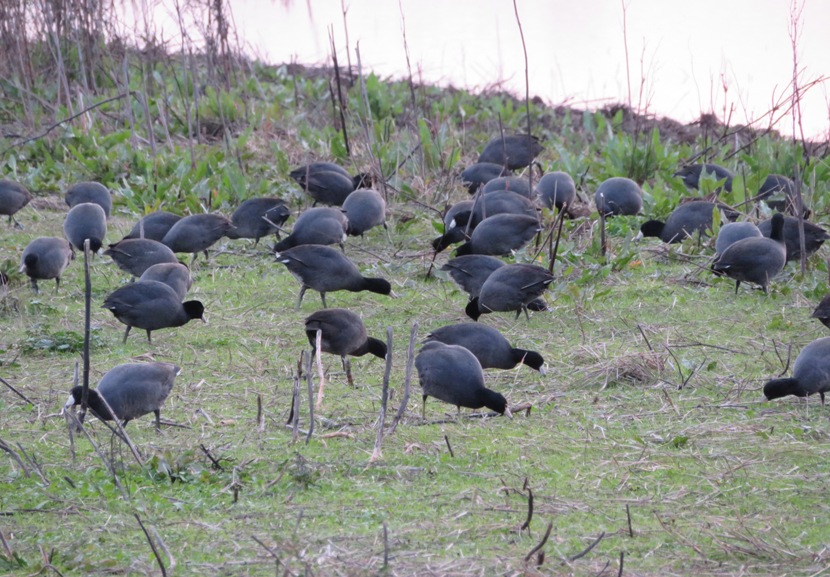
point(385, 546)
point(87, 309)
point(310, 396)
point(318, 352)
point(214, 462)
point(628, 515)
point(16, 392)
point(586, 550)
point(541, 543)
point(384, 399)
point(294, 419)
point(526, 524)
point(410, 362)
point(622, 558)
point(270, 551)
point(152, 545)
point(160, 541)
point(555, 250)
point(645, 338)
point(449, 447)
point(71, 416)
point(5, 447)
point(260, 418)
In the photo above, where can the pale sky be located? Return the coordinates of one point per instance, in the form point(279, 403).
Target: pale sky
point(686, 50)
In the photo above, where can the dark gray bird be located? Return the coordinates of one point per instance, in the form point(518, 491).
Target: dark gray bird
point(618, 196)
point(89, 192)
point(173, 274)
point(557, 189)
point(154, 225)
point(684, 221)
point(86, 220)
point(317, 225)
point(510, 288)
point(513, 151)
point(814, 236)
point(452, 374)
point(258, 217)
point(131, 390)
point(342, 333)
point(325, 269)
point(732, 232)
point(500, 234)
point(455, 225)
point(44, 258)
point(757, 259)
point(328, 183)
point(196, 233)
point(811, 373)
point(136, 255)
point(488, 345)
point(501, 202)
point(517, 184)
point(691, 175)
point(470, 271)
point(151, 305)
point(480, 173)
point(779, 193)
point(13, 197)
point(365, 209)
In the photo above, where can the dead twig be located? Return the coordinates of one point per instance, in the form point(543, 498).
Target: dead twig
point(541, 543)
point(384, 399)
point(16, 392)
point(152, 545)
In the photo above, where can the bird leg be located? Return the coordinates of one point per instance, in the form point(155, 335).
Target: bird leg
point(158, 420)
point(424, 409)
point(126, 333)
point(149, 340)
point(323, 298)
point(300, 300)
point(737, 284)
point(347, 366)
point(319, 355)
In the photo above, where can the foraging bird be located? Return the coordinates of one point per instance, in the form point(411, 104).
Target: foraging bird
point(151, 305)
point(618, 196)
point(196, 233)
point(779, 193)
point(684, 221)
point(488, 345)
point(317, 225)
point(13, 197)
point(328, 183)
point(173, 274)
point(89, 192)
point(477, 175)
point(45, 258)
point(814, 236)
point(732, 232)
point(258, 217)
point(325, 269)
point(452, 374)
point(691, 175)
point(342, 333)
point(756, 259)
point(557, 189)
point(510, 288)
point(811, 373)
point(500, 234)
point(501, 202)
point(455, 225)
point(364, 209)
point(136, 255)
point(822, 311)
point(154, 225)
point(513, 151)
point(517, 184)
point(131, 390)
point(470, 271)
point(86, 220)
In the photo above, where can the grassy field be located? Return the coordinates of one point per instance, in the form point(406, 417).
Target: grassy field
point(706, 479)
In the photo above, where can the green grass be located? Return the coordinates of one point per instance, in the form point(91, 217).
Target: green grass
point(716, 480)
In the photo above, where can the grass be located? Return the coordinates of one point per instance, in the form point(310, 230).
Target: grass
point(717, 481)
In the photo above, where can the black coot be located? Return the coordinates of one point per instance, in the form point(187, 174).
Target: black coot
point(44, 258)
point(470, 271)
point(732, 232)
point(488, 345)
point(154, 225)
point(684, 221)
point(151, 305)
point(811, 373)
point(86, 220)
point(89, 192)
point(13, 197)
point(327, 182)
point(480, 173)
point(452, 374)
point(814, 236)
point(175, 275)
point(197, 233)
point(557, 189)
point(501, 202)
point(136, 255)
point(455, 225)
point(364, 209)
point(318, 225)
point(513, 151)
point(258, 217)
point(325, 269)
point(510, 288)
point(501, 234)
point(757, 259)
point(618, 196)
point(517, 184)
point(691, 175)
point(131, 390)
point(779, 193)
